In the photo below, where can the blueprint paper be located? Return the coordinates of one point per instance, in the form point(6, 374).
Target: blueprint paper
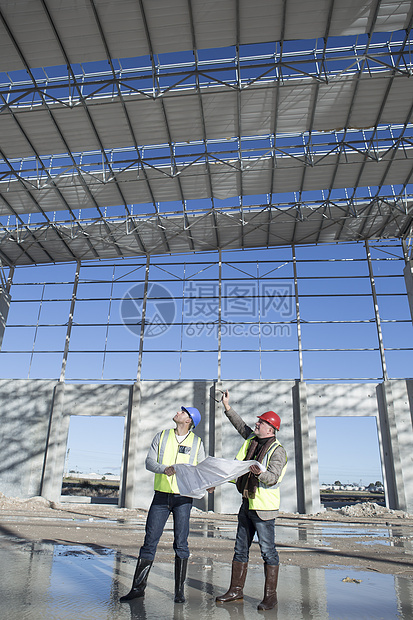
point(193, 480)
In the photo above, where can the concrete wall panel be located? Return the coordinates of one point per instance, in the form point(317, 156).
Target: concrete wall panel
point(96, 399)
point(402, 391)
point(25, 408)
point(35, 418)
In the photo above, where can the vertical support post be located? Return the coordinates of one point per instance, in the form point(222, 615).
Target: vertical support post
point(405, 251)
point(402, 390)
point(108, 322)
point(5, 299)
point(182, 322)
point(376, 311)
point(144, 302)
point(9, 280)
point(215, 430)
point(217, 409)
point(70, 322)
point(408, 280)
point(260, 306)
point(56, 447)
point(308, 491)
point(393, 474)
point(59, 424)
point(219, 314)
point(297, 310)
point(133, 456)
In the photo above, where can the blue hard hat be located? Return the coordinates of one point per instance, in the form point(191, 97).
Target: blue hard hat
point(194, 413)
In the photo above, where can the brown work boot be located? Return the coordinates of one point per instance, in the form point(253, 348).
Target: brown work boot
point(235, 592)
point(270, 589)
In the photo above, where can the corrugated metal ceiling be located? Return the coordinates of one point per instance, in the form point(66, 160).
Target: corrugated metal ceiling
point(202, 125)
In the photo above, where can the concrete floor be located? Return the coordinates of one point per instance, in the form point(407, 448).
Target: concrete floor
point(73, 562)
point(50, 581)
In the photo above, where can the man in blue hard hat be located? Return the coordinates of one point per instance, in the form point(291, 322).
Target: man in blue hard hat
point(168, 447)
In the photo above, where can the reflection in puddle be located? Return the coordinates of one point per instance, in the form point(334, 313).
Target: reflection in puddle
point(353, 532)
point(325, 535)
point(45, 581)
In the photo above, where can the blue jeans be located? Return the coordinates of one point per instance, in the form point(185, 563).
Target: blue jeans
point(163, 504)
point(249, 523)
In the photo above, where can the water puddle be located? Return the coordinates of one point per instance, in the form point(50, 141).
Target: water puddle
point(46, 581)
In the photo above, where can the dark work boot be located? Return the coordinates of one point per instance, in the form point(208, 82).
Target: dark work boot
point(139, 580)
point(236, 588)
point(180, 574)
point(270, 588)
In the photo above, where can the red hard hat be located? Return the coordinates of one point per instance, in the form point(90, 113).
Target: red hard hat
point(272, 418)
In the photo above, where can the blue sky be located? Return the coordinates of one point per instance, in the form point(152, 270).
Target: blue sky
point(339, 335)
point(360, 461)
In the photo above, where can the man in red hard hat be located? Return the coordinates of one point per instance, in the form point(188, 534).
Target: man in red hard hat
point(168, 447)
point(260, 502)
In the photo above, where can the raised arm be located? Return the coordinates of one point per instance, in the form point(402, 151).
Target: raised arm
point(237, 422)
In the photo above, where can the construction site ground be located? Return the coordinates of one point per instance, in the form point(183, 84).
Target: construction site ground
point(355, 545)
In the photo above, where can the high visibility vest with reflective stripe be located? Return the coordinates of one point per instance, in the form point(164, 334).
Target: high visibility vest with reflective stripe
point(266, 497)
point(171, 452)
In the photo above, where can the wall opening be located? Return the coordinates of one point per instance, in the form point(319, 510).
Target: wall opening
point(93, 458)
point(349, 463)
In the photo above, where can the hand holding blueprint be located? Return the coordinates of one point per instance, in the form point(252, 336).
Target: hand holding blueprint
point(193, 480)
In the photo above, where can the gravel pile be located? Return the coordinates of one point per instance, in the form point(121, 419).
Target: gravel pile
point(370, 509)
point(33, 503)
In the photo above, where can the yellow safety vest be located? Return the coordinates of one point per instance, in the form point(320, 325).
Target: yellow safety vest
point(171, 452)
point(266, 497)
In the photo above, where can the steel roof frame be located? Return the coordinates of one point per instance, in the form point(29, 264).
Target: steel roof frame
point(320, 133)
